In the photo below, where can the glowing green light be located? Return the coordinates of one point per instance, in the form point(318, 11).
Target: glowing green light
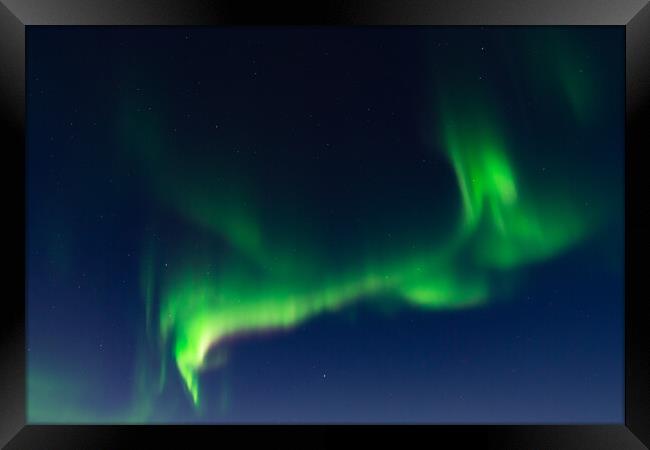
point(500, 227)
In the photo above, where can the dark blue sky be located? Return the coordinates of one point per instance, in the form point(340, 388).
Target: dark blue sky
point(344, 117)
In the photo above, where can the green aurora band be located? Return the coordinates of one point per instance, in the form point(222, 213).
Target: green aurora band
point(502, 226)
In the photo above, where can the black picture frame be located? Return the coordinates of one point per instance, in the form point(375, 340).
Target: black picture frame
point(633, 15)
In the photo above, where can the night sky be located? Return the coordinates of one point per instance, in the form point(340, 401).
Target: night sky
point(350, 225)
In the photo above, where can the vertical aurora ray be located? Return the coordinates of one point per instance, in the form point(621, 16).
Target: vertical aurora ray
point(510, 223)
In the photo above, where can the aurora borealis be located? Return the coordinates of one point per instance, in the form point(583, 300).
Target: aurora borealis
point(324, 225)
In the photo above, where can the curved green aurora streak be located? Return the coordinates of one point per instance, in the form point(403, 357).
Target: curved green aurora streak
point(503, 224)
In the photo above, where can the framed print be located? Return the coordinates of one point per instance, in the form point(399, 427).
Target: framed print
point(301, 222)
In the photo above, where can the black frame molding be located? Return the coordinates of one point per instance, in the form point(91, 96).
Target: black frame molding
point(634, 15)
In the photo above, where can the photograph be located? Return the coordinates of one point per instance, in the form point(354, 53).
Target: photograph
point(306, 224)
